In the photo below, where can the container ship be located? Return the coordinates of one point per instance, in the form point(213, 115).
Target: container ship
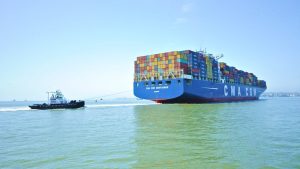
point(192, 77)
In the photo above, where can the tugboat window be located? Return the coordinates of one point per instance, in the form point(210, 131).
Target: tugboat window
point(160, 83)
point(153, 83)
point(146, 84)
point(168, 82)
point(179, 81)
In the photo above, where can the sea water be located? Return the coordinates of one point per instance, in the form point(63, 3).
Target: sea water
point(254, 134)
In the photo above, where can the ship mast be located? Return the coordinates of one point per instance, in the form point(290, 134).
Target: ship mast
point(49, 96)
point(217, 59)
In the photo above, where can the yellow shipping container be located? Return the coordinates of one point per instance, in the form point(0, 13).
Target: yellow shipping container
point(180, 56)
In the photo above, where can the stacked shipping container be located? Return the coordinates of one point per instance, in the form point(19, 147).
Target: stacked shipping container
point(158, 66)
point(261, 83)
point(197, 64)
point(176, 64)
point(233, 75)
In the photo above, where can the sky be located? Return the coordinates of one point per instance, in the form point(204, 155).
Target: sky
point(87, 48)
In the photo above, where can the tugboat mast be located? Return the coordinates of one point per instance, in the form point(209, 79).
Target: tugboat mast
point(49, 96)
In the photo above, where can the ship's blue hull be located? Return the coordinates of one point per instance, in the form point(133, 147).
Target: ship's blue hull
point(194, 91)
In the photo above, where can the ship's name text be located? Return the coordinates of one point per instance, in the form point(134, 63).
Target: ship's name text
point(236, 91)
point(157, 87)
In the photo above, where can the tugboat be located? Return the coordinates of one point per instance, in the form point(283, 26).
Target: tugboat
point(58, 101)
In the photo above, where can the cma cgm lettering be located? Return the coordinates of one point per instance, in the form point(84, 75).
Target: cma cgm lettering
point(236, 91)
point(192, 77)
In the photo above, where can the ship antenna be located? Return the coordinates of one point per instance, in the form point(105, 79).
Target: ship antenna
point(219, 56)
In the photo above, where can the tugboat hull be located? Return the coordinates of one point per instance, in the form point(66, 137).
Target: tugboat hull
point(70, 105)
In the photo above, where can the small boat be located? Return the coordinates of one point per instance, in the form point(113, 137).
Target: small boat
point(58, 101)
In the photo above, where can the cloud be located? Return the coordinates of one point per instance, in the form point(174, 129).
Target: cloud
point(187, 7)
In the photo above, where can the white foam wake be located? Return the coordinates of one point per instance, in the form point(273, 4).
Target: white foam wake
point(25, 108)
point(10, 109)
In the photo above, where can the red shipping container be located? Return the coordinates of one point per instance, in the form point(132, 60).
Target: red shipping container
point(195, 70)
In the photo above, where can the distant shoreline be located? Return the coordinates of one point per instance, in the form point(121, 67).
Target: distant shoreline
point(281, 94)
